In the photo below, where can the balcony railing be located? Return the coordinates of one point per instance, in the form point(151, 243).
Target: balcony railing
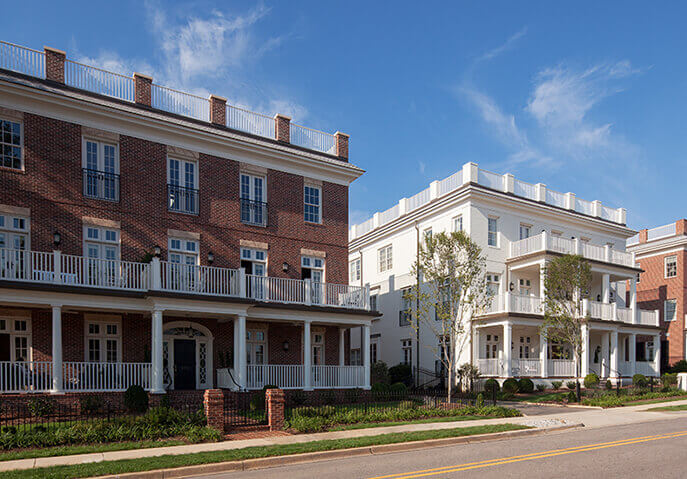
point(526, 367)
point(545, 242)
point(182, 199)
point(100, 185)
point(253, 212)
point(79, 271)
point(292, 376)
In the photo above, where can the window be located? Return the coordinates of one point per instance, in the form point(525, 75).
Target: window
point(312, 267)
point(312, 198)
point(407, 351)
point(385, 256)
point(373, 302)
point(669, 309)
point(373, 352)
point(101, 247)
point(458, 224)
point(103, 341)
point(639, 276)
point(524, 347)
point(525, 286)
point(492, 346)
point(11, 145)
point(14, 240)
point(493, 284)
point(492, 235)
point(317, 344)
point(355, 270)
point(670, 266)
point(253, 200)
point(182, 186)
point(355, 357)
point(427, 234)
point(256, 346)
point(100, 165)
point(254, 261)
point(15, 339)
point(525, 231)
point(559, 350)
point(404, 313)
point(184, 256)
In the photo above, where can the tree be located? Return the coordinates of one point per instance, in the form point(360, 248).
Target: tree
point(566, 279)
point(453, 290)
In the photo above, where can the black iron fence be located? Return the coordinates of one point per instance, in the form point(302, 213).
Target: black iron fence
point(244, 409)
point(253, 212)
point(102, 185)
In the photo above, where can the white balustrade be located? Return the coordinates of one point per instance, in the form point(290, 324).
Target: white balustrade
point(560, 244)
point(555, 198)
point(22, 265)
point(338, 295)
point(312, 139)
point(191, 278)
point(422, 198)
point(490, 180)
point(525, 304)
point(624, 315)
point(584, 206)
point(103, 273)
point(179, 102)
point(285, 376)
point(389, 215)
point(25, 376)
point(94, 377)
point(338, 376)
point(21, 59)
point(98, 81)
point(250, 122)
point(526, 246)
point(622, 257)
point(495, 305)
point(490, 367)
point(282, 290)
point(521, 367)
point(561, 368)
point(648, 318)
point(598, 310)
point(451, 183)
point(526, 190)
point(647, 368)
point(660, 232)
point(593, 252)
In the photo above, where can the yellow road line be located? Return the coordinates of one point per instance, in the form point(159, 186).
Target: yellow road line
point(526, 457)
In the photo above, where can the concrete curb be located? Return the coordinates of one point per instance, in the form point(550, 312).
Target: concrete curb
point(266, 462)
point(559, 405)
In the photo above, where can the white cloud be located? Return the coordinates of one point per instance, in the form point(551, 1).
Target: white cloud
point(507, 45)
point(422, 167)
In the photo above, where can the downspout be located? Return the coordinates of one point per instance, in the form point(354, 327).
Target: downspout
point(417, 305)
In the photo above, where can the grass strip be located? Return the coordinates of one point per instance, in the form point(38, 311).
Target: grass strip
point(86, 449)
point(367, 425)
point(681, 407)
point(166, 462)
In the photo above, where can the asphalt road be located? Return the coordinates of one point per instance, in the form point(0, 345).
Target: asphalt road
point(652, 449)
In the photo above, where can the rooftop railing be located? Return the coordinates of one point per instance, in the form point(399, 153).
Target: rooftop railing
point(312, 139)
point(98, 81)
point(22, 60)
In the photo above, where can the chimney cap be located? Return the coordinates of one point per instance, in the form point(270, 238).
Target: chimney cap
point(54, 50)
point(141, 75)
point(340, 133)
point(283, 117)
point(218, 98)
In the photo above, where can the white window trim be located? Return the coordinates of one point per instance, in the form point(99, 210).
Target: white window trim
point(181, 170)
point(312, 265)
point(526, 226)
point(665, 310)
point(103, 337)
point(101, 239)
point(389, 265)
point(453, 223)
point(101, 151)
point(665, 266)
point(496, 233)
point(10, 329)
point(9, 228)
point(355, 270)
point(21, 144)
point(320, 208)
point(171, 250)
point(251, 194)
point(264, 342)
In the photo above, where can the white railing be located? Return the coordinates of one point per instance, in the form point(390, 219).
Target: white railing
point(21, 265)
point(564, 368)
point(608, 213)
point(21, 59)
point(556, 198)
point(526, 246)
point(490, 367)
point(338, 295)
point(390, 214)
point(600, 310)
point(312, 139)
point(285, 376)
point(660, 232)
point(191, 278)
point(338, 376)
point(422, 198)
point(647, 368)
point(489, 179)
point(524, 189)
point(594, 252)
point(632, 240)
point(179, 102)
point(560, 244)
point(98, 81)
point(622, 257)
point(282, 290)
point(525, 367)
point(496, 305)
point(451, 183)
point(648, 318)
point(250, 122)
point(625, 368)
point(25, 376)
point(224, 378)
point(94, 377)
point(624, 315)
point(525, 304)
point(365, 227)
point(584, 206)
point(103, 273)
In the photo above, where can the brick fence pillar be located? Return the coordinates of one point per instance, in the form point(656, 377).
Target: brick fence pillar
point(275, 409)
point(54, 64)
point(213, 400)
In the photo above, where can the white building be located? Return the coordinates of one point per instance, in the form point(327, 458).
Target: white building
point(520, 226)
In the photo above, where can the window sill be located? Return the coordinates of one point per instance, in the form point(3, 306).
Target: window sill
point(13, 170)
point(187, 213)
point(312, 223)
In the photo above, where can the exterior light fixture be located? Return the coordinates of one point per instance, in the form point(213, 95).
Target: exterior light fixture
point(285, 345)
point(285, 267)
point(57, 238)
point(211, 257)
point(156, 251)
point(511, 287)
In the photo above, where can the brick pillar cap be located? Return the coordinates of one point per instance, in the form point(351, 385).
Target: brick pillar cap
point(218, 98)
point(283, 117)
point(54, 50)
point(141, 75)
point(339, 133)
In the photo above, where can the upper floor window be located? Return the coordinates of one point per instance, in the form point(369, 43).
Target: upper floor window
point(492, 232)
point(14, 232)
point(525, 231)
point(254, 261)
point(404, 314)
point(101, 243)
point(669, 309)
point(458, 223)
point(407, 349)
point(427, 234)
point(670, 266)
point(182, 186)
point(312, 267)
point(385, 258)
point(493, 283)
point(373, 302)
point(355, 270)
point(103, 341)
point(313, 199)
point(100, 164)
point(11, 145)
point(253, 196)
point(183, 251)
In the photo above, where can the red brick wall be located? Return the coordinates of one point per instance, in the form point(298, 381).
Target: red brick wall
point(653, 289)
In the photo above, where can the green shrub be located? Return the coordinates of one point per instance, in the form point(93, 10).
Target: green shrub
point(379, 373)
point(380, 388)
point(298, 397)
point(401, 373)
point(41, 406)
point(352, 395)
point(479, 402)
point(525, 385)
point(541, 387)
point(669, 379)
point(91, 404)
point(591, 380)
point(609, 399)
point(328, 397)
point(572, 397)
point(510, 386)
point(398, 389)
point(679, 367)
point(609, 385)
point(639, 380)
point(556, 385)
point(491, 385)
point(571, 385)
point(136, 399)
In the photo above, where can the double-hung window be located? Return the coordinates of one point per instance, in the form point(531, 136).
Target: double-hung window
point(11, 151)
point(525, 231)
point(405, 311)
point(100, 165)
point(407, 350)
point(184, 260)
point(15, 339)
point(493, 284)
point(182, 186)
point(253, 200)
point(103, 341)
point(14, 241)
point(312, 204)
point(458, 224)
point(670, 266)
point(101, 247)
point(385, 257)
point(669, 309)
point(493, 232)
point(355, 270)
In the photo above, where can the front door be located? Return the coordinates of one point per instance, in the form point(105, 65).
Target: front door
point(184, 364)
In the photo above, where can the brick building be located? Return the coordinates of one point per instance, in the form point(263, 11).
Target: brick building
point(152, 237)
point(661, 252)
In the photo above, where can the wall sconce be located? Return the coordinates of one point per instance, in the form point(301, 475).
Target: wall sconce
point(211, 257)
point(156, 251)
point(511, 287)
point(285, 267)
point(285, 345)
point(57, 238)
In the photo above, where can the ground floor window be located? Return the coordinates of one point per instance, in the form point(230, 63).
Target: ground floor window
point(103, 341)
point(491, 348)
point(355, 357)
point(15, 339)
point(407, 350)
point(256, 346)
point(524, 352)
point(317, 343)
point(558, 350)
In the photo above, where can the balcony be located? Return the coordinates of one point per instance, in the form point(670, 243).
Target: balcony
point(56, 268)
point(544, 242)
point(291, 376)
point(253, 212)
point(100, 185)
point(182, 199)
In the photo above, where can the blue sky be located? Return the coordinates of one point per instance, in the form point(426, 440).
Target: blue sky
point(587, 97)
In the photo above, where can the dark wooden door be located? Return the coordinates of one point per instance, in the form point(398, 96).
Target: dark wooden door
point(184, 364)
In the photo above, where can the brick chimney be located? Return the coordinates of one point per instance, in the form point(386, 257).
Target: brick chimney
point(142, 87)
point(54, 64)
point(681, 227)
point(341, 140)
point(218, 110)
point(643, 235)
point(282, 128)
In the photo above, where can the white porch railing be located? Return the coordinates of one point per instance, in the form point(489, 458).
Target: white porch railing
point(600, 310)
point(490, 367)
point(525, 367)
point(312, 139)
point(291, 376)
point(103, 273)
point(338, 376)
point(647, 368)
point(285, 376)
point(525, 304)
point(561, 368)
point(95, 377)
point(648, 318)
point(25, 376)
point(191, 278)
point(283, 290)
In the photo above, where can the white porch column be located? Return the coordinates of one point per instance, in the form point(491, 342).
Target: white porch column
point(307, 357)
point(543, 360)
point(584, 367)
point(507, 344)
point(632, 352)
point(366, 355)
point(157, 386)
point(56, 350)
point(633, 300)
point(615, 365)
point(605, 357)
point(657, 353)
point(476, 347)
point(606, 288)
point(542, 276)
point(342, 345)
point(240, 337)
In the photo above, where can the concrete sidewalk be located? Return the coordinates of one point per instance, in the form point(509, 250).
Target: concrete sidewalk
point(591, 418)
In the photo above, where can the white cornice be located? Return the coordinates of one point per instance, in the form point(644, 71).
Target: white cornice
point(149, 125)
point(661, 246)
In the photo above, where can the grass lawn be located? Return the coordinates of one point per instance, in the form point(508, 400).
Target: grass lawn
point(681, 407)
point(555, 396)
point(653, 401)
point(165, 462)
point(86, 449)
point(366, 425)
